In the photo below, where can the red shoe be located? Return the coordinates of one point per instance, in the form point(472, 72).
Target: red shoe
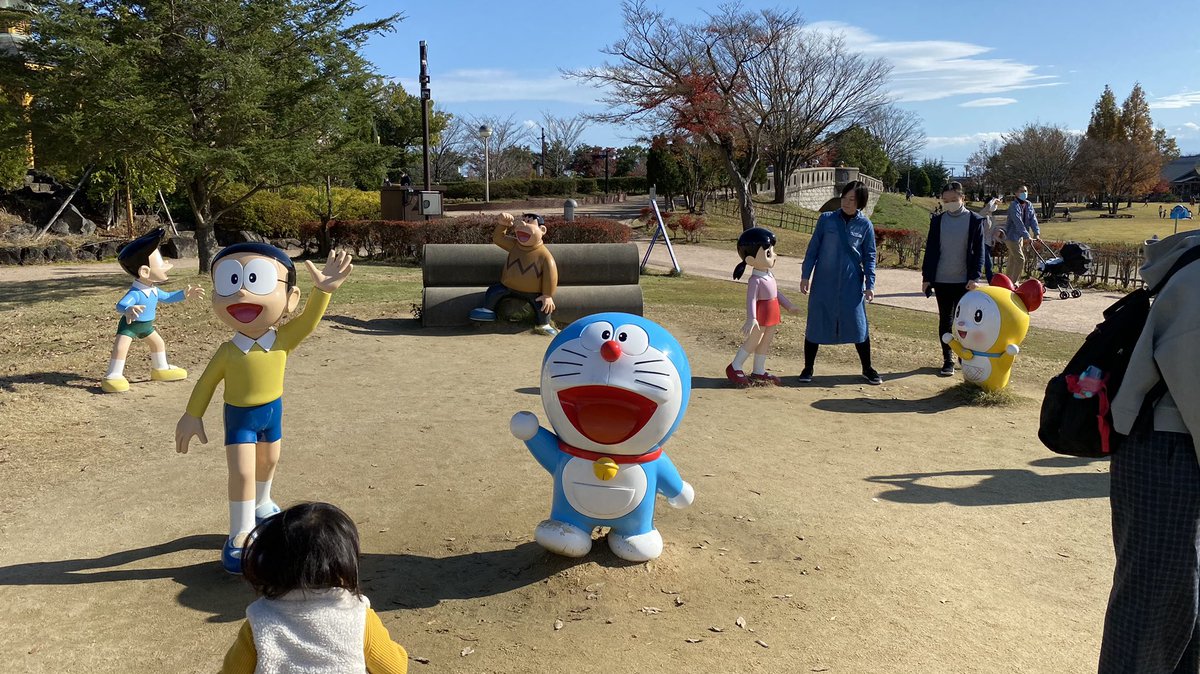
point(765, 379)
point(736, 376)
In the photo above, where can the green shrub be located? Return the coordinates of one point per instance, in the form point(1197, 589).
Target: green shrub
point(265, 213)
point(586, 185)
point(397, 240)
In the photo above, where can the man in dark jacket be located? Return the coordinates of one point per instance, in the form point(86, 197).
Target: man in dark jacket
point(953, 263)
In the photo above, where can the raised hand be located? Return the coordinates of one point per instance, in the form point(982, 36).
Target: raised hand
point(193, 292)
point(337, 268)
point(523, 426)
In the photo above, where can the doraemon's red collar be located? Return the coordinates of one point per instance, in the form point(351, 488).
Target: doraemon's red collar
point(616, 458)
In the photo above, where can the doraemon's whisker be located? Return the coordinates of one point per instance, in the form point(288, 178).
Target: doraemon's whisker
point(566, 362)
point(646, 383)
point(574, 353)
point(662, 374)
point(643, 362)
point(567, 374)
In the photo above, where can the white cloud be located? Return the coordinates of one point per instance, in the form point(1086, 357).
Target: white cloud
point(467, 86)
point(530, 124)
point(969, 139)
point(987, 102)
point(927, 70)
point(1184, 100)
point(1192, 125)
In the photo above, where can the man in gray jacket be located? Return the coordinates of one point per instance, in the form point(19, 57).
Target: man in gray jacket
point(1021, 225)
point(1153, 619)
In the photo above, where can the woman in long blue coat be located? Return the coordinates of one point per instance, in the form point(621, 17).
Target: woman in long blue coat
point(839, 278)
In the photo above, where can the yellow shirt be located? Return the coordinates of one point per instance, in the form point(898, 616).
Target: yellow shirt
point(256, 377)
point(383, 655)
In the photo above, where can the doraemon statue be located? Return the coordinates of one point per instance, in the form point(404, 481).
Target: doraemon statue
point(990, 322)
point(614, 387)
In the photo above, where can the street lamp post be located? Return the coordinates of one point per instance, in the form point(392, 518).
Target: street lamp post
point(485, 132)
point(603, 154)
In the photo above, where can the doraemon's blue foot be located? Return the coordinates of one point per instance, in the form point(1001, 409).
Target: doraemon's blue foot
point(562, 538)
point(482, 314)
point(264, 511)
point(231, 557)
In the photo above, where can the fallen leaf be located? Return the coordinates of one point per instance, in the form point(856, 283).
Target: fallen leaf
point(651, 610)
point(693, 641)
point(558, 624)
point(820, 669)
point(714, 628)
point(666, 591)
point(740, 622)
point(782, 596)
point(817, 567)
point(466, 651)
point(756, 561)
point(1063, 554)
point(762, 643)
point(678, 601)
point(417, 658)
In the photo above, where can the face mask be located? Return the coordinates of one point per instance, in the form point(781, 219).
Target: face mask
point(1024, 196)
point(952, 206)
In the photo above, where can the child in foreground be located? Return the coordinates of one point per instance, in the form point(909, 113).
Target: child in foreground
point(311, 615)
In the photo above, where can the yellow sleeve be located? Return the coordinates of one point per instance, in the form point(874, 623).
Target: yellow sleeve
point(289, 336)
point(549, 273)
point(207, 384)
point(241, 658)
point(499, 239)
point(384, 656)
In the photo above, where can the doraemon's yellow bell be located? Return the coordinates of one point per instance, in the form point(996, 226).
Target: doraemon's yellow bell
point(605, 468)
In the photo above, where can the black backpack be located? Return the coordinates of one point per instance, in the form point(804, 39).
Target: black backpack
point(1083, 426)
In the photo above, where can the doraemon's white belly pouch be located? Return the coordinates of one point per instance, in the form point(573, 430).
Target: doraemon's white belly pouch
point(603, 499)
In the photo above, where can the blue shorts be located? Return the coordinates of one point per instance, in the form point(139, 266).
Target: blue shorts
point(247, 425)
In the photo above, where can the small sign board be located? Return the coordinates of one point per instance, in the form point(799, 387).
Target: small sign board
point(431, 203)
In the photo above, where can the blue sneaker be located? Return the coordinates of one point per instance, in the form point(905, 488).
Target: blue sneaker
point(231, 557)
point(264, 511)
point(482, 314)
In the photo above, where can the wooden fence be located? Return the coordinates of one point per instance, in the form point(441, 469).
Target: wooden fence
point(768, 216)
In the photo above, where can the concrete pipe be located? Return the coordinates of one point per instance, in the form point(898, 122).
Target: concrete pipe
point(579, 264)
point(449, 307)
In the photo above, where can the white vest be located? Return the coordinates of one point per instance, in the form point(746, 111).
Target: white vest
point(316, 632)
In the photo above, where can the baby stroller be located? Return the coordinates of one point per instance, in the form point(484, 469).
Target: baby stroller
point(1056, 269)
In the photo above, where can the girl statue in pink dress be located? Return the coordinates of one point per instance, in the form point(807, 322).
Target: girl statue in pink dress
point(756, 246)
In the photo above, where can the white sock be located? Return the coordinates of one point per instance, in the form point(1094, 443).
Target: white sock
point(116, 368)
point(262, 492)
point(739, 358)
point(760, 364)
point(241, 517)
point(158, 360)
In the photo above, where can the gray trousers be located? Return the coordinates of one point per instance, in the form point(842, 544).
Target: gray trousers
point(1152, 622)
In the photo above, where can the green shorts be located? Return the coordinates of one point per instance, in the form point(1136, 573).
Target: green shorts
point(136, 329)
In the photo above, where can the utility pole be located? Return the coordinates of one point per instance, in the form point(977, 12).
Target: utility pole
point(425, 114)
point(542, 165)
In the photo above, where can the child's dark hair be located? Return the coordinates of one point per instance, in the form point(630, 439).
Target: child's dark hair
point(266, 250)
point(310, 546)
point(749, 244)
point(861, 195)
point(136, 254)
point(534, 216)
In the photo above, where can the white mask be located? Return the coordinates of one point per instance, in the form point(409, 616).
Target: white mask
point(952, 206)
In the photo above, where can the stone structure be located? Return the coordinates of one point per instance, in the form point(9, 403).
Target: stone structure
point(819, 189)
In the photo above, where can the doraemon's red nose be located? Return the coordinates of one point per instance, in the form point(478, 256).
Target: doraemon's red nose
point(611, 351)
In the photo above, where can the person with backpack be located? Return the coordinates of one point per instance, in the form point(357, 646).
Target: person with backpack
point(1153, 620)
point(953, 261)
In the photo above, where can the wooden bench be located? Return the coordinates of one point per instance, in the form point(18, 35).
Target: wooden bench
point(592, 278)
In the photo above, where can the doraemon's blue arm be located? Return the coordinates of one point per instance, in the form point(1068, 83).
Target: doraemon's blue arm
point(542, 444)
point(678, 492)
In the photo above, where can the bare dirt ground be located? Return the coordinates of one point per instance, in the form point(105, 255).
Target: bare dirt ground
point(853, 528)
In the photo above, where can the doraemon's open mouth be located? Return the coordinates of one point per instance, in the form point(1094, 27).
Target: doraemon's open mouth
point(605, 414)
point(244, 312)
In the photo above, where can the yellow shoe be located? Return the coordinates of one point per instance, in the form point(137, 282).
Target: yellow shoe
point(170, 374)
point(114, 385)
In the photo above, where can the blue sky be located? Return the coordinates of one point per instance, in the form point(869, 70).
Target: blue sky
point(969, 76)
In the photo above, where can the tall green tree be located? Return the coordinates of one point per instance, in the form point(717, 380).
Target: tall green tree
point(1122, 154)
point(225, 94)
point(856, 147)
point(938, 175)
point(398, 123)
point(663, 170)
point(629, 158)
